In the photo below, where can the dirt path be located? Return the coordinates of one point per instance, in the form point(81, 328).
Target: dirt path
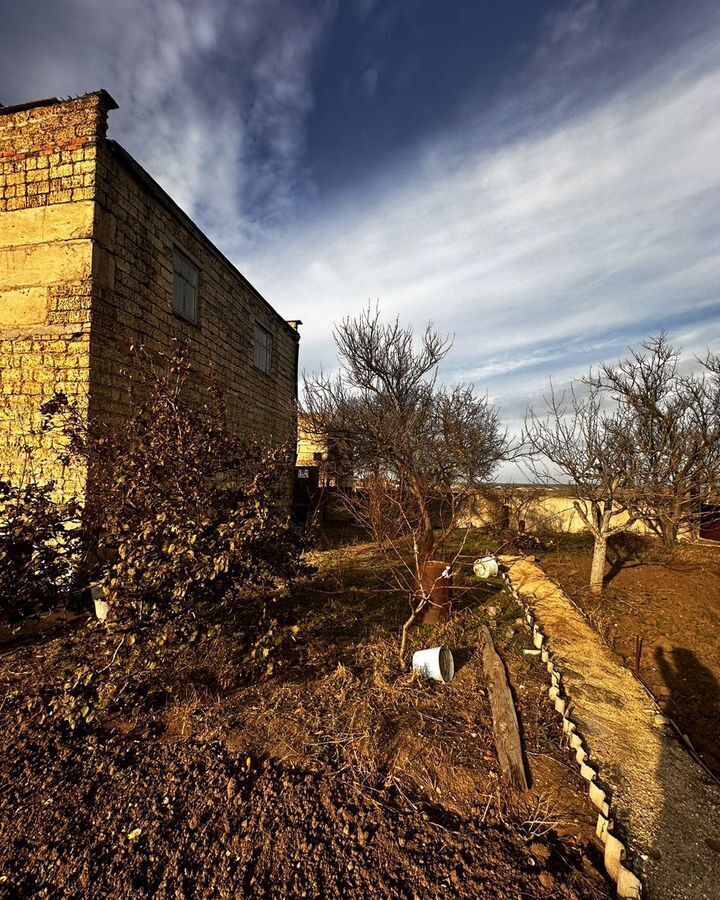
point(667, 809)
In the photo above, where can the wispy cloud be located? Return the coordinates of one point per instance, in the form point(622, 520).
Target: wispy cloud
point(369, 82)
point(213, 96)
point(544, 253)
point(578, 214)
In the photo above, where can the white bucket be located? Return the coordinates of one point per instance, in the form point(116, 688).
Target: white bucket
point(437, 663)
point(487, 567)
point(102, 607)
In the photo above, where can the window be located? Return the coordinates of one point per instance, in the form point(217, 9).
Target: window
point(262, 349)
point(185, 287)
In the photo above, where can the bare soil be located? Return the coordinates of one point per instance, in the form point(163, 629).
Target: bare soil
point(669, 598)
point(290, 755)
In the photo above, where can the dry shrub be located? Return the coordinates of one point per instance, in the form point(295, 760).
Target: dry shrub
point(180, 508)
point(348, 707)
point(154, 672)
point(186, 525)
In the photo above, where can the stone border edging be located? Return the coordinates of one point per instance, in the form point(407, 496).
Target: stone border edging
point(629, 886)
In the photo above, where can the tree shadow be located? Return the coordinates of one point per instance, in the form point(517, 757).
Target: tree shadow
point(684, 850)
point(462, 656)
point(693, 700)
point(474, 595)
point(625, 551)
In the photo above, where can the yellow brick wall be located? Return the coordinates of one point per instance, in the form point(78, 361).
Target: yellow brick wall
point(140, 226)
point(540, 510)
point(86, 245)
point(47, 185)
point(309, 445)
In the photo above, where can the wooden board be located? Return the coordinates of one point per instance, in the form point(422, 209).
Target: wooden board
point(505, 721)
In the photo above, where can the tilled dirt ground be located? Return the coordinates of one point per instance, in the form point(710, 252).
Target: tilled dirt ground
point(194, 820)
point(670, 598)
point(289, 758)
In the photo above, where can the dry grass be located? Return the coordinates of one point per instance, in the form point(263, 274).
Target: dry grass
point(337, 698)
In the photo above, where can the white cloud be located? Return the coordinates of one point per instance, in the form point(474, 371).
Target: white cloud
point(543, 255)
point(579, 214)
point(213, 96)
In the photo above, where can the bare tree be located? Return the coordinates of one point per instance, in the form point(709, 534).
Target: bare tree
point(674, 428)
point(580, 442)
point(712, 364)
point(416, 451)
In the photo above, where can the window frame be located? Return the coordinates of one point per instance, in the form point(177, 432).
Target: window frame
point(267, 348)
point(181, 255)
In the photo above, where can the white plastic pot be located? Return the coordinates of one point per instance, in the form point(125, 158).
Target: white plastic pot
point(436, 663)
point(487, 567)
point(102, 607)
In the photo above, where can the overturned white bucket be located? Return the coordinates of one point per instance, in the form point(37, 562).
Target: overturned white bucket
point(437, 663)
point(487, 567)
point(102, 607)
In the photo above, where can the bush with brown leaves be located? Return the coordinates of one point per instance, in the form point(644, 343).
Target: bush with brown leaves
point(180, 508)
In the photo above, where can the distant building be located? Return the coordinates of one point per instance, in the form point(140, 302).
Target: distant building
point(319, 473)
point(709, 529)
point(96, 257)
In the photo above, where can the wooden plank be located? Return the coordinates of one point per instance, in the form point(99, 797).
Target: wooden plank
point(505, 721)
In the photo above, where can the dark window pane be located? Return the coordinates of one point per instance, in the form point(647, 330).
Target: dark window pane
point(185, 281)
point(262, 349)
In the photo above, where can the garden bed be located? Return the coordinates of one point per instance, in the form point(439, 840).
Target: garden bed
point(669, 598)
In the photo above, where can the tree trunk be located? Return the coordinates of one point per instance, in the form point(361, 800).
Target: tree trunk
point(669, 532)
point(427, 537)
point(417, 605)
point(597, 572)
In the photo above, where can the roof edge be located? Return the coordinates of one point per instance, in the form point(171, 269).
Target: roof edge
point(142, 175)
point(54, 101)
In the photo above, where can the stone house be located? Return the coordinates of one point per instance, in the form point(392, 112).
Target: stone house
point(95, 257)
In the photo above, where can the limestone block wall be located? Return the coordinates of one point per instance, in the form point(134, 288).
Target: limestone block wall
point(311, 447)
point(48, 157)
point(86, 271)
point(138, 228)
point(540, 511)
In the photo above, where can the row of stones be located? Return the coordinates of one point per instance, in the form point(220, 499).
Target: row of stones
point(628, 884)
point(47, 149)
point(45, 129)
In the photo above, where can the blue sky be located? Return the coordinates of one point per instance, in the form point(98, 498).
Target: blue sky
point(540, 179)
